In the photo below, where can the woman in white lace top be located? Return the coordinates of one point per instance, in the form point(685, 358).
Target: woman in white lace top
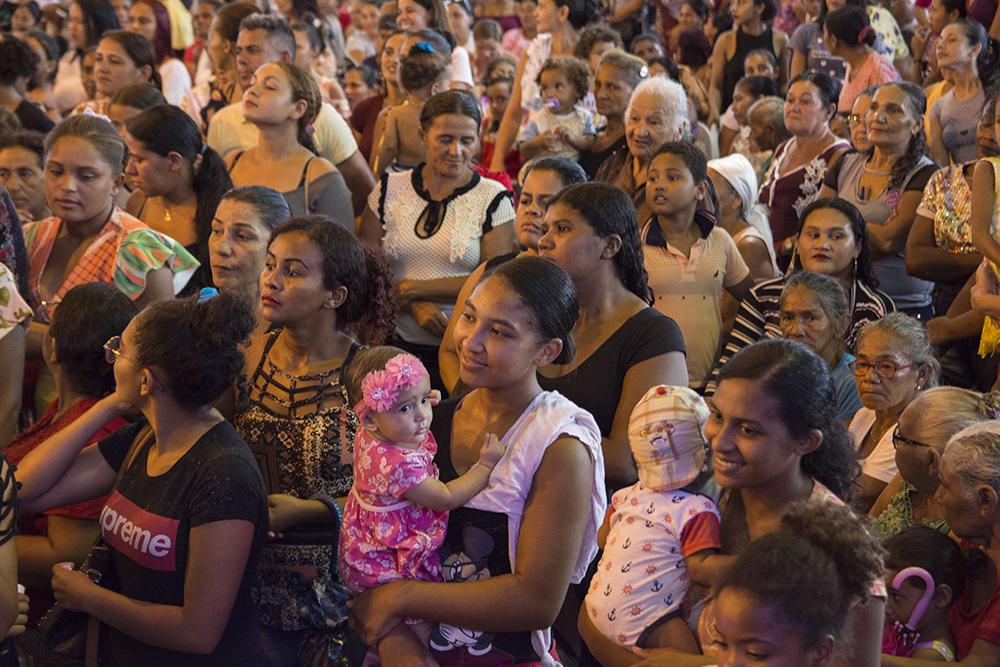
point(437, 222)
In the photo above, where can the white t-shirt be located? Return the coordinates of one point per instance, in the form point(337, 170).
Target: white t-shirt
point(229, 131)
point(461, 67)
point(881, 463)
point(359, 41)
point(689, 290)
point(68, 90)
point(176, 80)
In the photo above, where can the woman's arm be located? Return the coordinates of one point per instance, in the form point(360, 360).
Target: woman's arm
point(57, 473)
point(511, 121)
point(754, 252)
point(935, 144)
point(870, 490)
point(718, 61)
point(8, 557)
point(726, 138)
point(983, 654)
point(797, 66)
point(448, 353)
point(159, 287)
point(983, 199)
point(371, 228)
point(863, 631)
point(740, 290)
point(552, 529)
point(891, 489)
point(385, 153)
point(924, 259)
point(217, 559)
point(669, 368)
point(11, 378)
point(890, 238)
point(66, 539)
point(985, 293)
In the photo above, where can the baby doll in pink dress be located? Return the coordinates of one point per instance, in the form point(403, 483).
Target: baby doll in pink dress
point(397, 511)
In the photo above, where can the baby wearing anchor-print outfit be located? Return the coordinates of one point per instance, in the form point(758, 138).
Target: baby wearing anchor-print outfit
point(660, 536)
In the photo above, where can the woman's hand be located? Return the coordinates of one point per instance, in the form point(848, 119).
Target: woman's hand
point(374, 613)
point(985, 293)
point(429, 316)
point(491, 452)
point(22, 614)
point(403, 293)
point(71, 587)
point(118, 402)
point(283, 511)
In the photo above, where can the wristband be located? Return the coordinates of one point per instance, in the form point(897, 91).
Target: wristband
point(331, 504)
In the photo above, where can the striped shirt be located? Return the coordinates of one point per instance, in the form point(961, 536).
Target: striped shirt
point(759, 318)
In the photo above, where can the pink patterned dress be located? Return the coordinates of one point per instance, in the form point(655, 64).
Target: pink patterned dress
point(383, 536)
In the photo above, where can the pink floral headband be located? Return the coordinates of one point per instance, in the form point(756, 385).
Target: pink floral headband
point(381, 389)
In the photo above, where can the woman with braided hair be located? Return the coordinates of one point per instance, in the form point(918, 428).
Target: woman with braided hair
point(283, 102)
point(180, 180)
point(886, 184)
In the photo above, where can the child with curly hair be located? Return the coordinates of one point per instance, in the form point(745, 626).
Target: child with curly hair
point(560, 128)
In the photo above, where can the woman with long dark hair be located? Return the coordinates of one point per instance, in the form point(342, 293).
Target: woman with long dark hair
point(886, 184)
point(324, 294)
point(122, 59)
point(180, 179)
point(832, 240)
point(88, 21)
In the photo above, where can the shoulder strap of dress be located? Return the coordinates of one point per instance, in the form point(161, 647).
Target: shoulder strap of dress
point(236, 158)
point(303, 181)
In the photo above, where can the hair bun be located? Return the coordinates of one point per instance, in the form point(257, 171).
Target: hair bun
point(223, 321)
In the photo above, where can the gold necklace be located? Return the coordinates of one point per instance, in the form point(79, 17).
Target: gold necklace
point(166, 212)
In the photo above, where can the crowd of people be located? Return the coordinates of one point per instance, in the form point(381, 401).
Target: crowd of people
point(499, 332)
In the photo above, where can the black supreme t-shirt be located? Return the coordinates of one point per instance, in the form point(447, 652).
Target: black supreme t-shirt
point(147, 523)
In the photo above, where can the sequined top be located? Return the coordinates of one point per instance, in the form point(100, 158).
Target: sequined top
point(301, 431)
point(948, 202)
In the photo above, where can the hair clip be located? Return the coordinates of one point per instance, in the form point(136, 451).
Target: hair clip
point(310, 129)
point(423, 47)
point(207, 294)
point(643, 72)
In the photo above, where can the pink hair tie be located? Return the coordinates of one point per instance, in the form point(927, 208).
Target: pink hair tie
point(381, 389)
point(864, 33)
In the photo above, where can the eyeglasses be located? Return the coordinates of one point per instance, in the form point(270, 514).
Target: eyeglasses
point(899, 441)
point(113, 350)
point(886, 370)
point(855, 119)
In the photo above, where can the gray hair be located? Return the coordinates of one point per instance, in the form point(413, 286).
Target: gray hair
point(828, 291)
point(915, 344)
point(939, 413)
point(631, 68)
point(673, 101)
point(974, 454)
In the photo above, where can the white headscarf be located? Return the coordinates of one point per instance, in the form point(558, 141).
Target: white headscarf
point(739, 173)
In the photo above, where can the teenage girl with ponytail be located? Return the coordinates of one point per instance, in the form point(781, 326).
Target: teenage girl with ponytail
point(180, 180)
point(849, 35)
point(187, 514)
point(283, 101)
point(323, 294)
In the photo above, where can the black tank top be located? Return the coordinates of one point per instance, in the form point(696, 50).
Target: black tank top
point(733, 69)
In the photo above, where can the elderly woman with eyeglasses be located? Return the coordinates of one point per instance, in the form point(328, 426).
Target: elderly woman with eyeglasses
point(920, 439)
point(894, 363)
